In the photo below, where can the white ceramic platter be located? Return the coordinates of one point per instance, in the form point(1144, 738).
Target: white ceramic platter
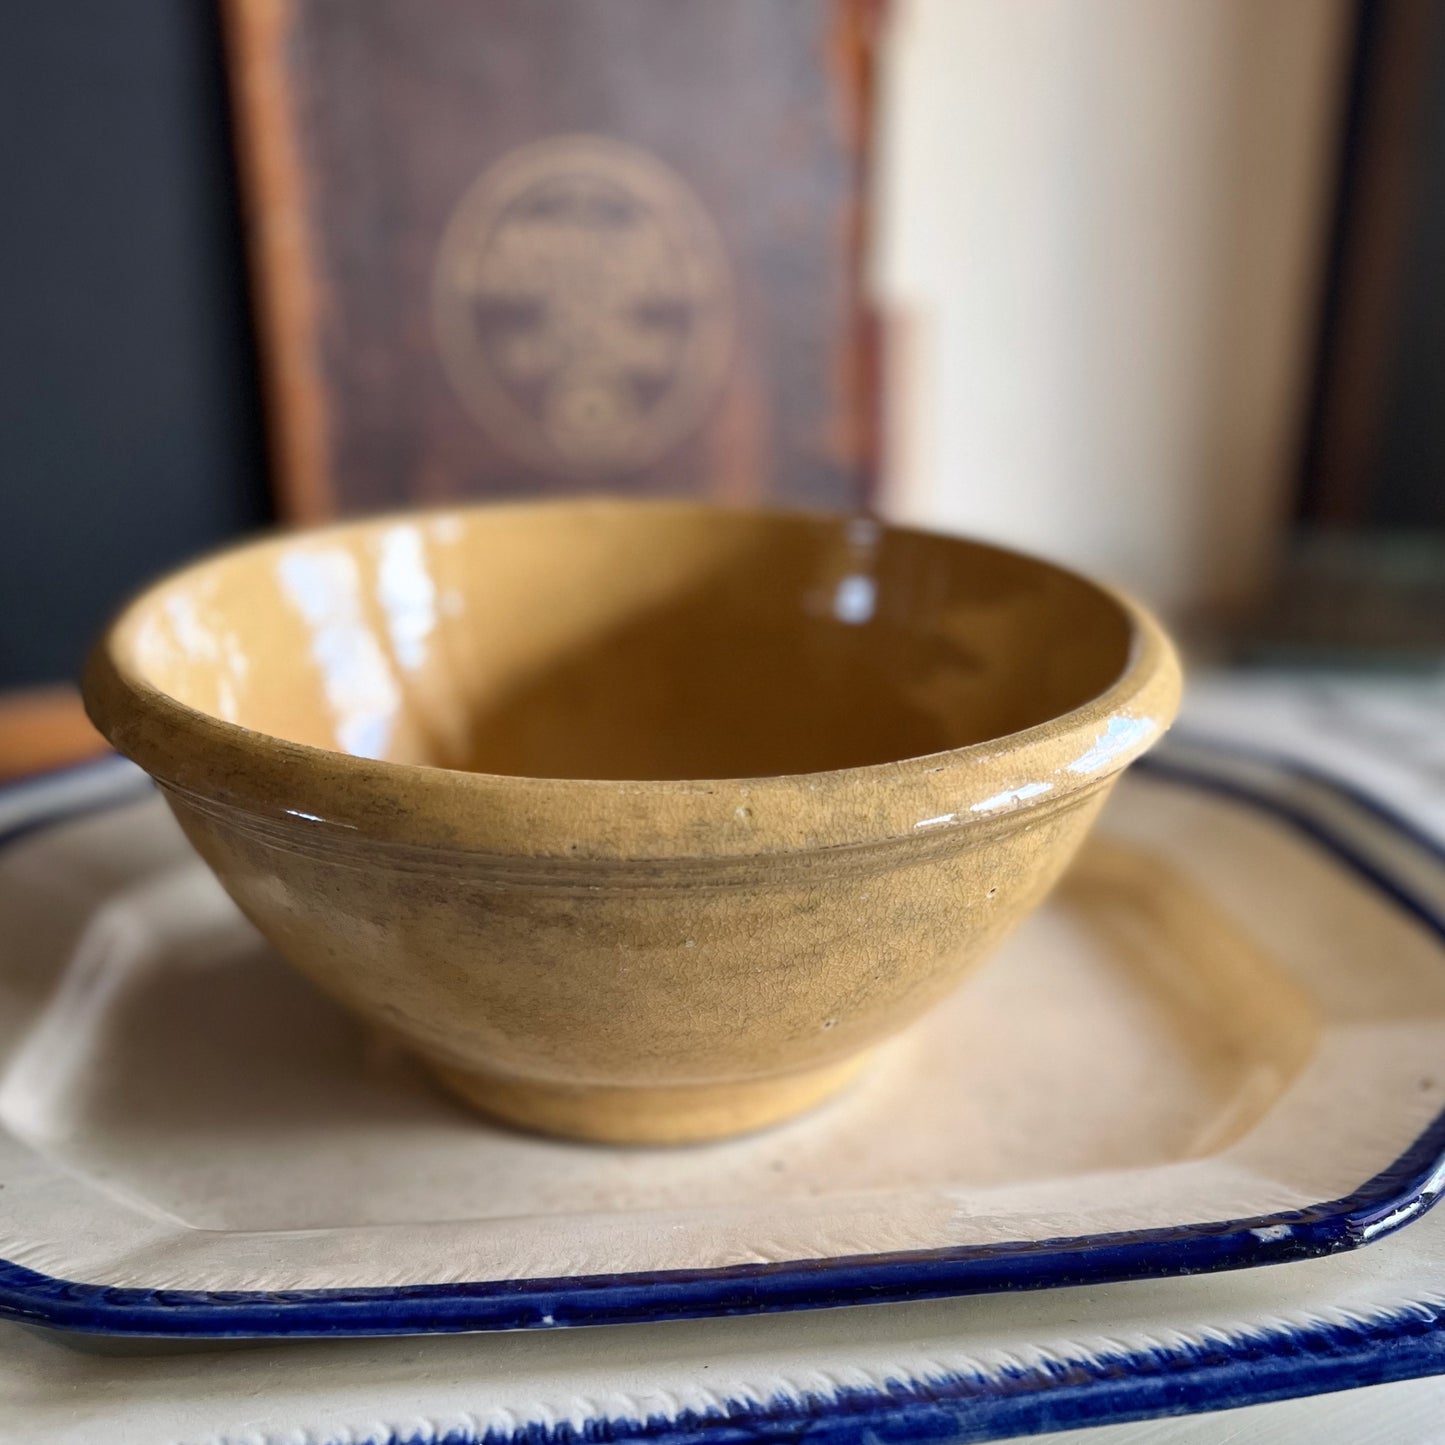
point(1221, 1044)
point(957, 1370)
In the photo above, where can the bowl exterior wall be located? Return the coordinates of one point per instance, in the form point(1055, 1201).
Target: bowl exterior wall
point(640, 1001)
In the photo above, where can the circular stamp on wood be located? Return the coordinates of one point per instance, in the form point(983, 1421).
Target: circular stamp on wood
point(583, 305)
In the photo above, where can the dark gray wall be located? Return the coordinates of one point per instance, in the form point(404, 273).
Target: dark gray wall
point(1374, 446)
point(129, 426)
point(1411, 491)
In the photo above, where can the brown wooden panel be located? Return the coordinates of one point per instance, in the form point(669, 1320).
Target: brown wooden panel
point(506, 247)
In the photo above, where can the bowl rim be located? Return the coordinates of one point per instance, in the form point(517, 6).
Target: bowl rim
point(302, 788)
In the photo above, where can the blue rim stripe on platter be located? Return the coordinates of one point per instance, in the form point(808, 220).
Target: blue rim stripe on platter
point(1382, 1204)
point(1251, 1368)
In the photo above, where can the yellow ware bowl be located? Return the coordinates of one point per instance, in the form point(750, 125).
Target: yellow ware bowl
point(638, 821)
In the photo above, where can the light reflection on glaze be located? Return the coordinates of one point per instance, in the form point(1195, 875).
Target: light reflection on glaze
point(233, 679)
point(196, 641)
point(997, 802)
point(407, 594)
point(189, 634)
point(1011, 796)
point(324, 586)
point(226, 699)
point(317, 818)
point(182, 635)
point(1122, 735)
point(855, 599)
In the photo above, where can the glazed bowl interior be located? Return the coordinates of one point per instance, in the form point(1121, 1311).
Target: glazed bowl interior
point(636, 641)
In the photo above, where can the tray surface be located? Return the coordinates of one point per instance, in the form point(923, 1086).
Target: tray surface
point(1218, 1045)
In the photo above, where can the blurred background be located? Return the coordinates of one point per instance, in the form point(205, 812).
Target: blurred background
point(1153, 287)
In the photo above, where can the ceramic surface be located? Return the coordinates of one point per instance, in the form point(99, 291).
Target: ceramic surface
point(1179, 1064)
point(638, 821)
point(914, 1375)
